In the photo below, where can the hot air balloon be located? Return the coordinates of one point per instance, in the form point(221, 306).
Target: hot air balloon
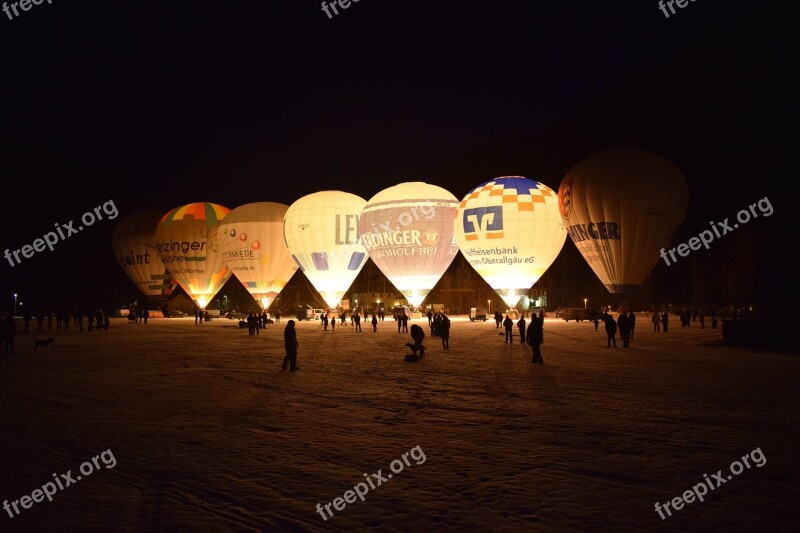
point(186, 242)
point(620, 208)
point(321, 231)
point(134, 245)
point(408, 233)
point(251, 241)
point(510, 231)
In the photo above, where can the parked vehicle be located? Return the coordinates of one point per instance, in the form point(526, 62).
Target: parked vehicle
point(478, 313)
point(177, 313)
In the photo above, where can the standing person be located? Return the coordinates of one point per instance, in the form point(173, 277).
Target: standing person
point(196, 316)
point(49, 320)
point(702, 320)
point(65, 318)
point(278, 316)
point(498, 319)
point(596, 322)
point(325, 321)
point(251, 329)
point(509, 325)
point(631, 321)
point(291, 345)
point(656, 322)
point(146, 315)
point(611, 330)
point(98, 318)
point(665, 321)
point(357, 320)
point(430, 318)
point(40, 322)
point(79, 317)
point(8, 329)
point(399, 323)
point(404, 320)
point(374, 323)
point(444, 331)
point(90, 318)
point(521, 326)
point(535, 337)
point(624, 328)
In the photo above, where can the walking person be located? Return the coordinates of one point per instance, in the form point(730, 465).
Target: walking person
point(8, 329)
point(325, 322)
point(665, 321)
point(357, 320)
point(444, 331)
point(291, 345)
point(404, 320)
point(611, 330)
point(374, 323)
point(508, 324)
point(535, 337)
point(521, 326)
point(624, 325)
point(333, 323)
point(430, 318)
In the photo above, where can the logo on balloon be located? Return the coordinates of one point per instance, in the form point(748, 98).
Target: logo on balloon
point(431, 236)
point(483, 223)
point(565, 198)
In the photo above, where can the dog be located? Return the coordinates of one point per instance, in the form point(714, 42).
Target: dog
point(45, 343)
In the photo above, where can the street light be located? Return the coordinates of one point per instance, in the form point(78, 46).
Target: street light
point(15, 304)
point(584, 302)
point(489, 305)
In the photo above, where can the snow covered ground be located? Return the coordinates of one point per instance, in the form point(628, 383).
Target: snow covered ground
point(210, 434)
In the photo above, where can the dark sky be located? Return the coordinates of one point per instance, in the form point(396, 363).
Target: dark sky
point(156, 104)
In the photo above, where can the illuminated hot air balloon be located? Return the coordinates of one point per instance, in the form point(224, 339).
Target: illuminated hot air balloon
point(408, 232)
point(186, 242)
point(321, 231)
point(620, 208)
point(251, 241)
point(510, 231)
point(134, 245)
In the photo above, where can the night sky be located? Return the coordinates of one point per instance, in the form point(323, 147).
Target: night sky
point(157, 104)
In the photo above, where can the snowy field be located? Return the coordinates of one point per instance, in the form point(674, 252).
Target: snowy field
point(209, 434)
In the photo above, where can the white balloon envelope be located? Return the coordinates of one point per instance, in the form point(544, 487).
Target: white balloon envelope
point(134, 244)
point(251, 241)
point(620, 208)
point(407, 230)
point(510, 231)
point(186, 242)
point(321, 231)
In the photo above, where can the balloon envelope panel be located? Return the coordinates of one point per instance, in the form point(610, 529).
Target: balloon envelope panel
point(134, 245)
point(510, 231)
point(321, 231)
point(251, 242)
point(186, 242)
point(407, 230)
point(620, 208)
